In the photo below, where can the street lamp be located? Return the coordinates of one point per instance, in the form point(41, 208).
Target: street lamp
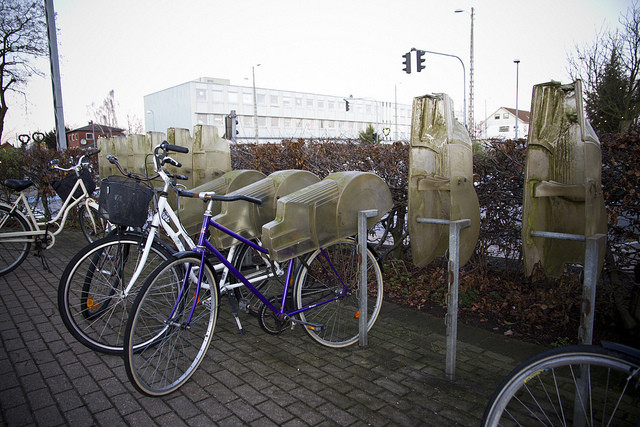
point(471, 122)
point(255, 103)
point(517, 62)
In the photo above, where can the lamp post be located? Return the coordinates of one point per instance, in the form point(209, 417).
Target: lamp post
point(471, 118)
point(517, 62)
point(255, 103)
point(153, 120)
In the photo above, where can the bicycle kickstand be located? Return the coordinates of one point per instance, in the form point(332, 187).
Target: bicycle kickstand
point(234, 310)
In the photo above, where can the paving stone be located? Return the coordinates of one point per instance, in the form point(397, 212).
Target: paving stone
point(256, 379)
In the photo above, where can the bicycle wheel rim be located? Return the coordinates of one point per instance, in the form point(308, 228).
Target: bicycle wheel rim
point(12, 254)
point(316, 282)
point(577, 385)
point(162, 353)
point(90, 295)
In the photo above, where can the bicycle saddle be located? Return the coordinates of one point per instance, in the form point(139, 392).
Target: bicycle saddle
point(18, 184)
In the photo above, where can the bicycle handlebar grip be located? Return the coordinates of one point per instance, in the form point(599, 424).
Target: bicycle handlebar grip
point(176, 148)
point(241, 197)
point(93, 153)
point(176, 176)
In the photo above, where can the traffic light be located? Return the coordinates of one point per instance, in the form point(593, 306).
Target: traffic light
point(407, 62)
point(420, 60)
point(347, 104)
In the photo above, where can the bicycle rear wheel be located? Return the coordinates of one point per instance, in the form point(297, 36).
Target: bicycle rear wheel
point(12, 254)
point(330, 273)
point(171, 325)
point(90, 294)
point(575, 385)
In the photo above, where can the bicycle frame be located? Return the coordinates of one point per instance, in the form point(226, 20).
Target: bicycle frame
point(204, 245)
point(69, 203)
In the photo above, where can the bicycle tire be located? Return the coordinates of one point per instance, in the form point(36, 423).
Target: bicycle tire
point(543, 390)
point(12, 254)
point(161, 351)
point(255, 267)
point(93, 226)
point(90, 299)
point(316, 282)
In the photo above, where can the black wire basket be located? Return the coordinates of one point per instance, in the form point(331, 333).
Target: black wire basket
point(64, 186)
point(124, 201)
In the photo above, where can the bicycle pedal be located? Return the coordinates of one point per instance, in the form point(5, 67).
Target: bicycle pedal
point(316, 327)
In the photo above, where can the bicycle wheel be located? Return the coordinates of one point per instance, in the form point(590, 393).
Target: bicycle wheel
point(171, 325)
point(12, 254)
point(92, 225)
point(575, 385)
point(333, 272)
point(90, 294)
point(256, 268)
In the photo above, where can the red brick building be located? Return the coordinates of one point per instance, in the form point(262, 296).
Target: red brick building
point(87, 136)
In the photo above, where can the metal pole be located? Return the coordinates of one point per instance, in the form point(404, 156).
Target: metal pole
point(471, 118)
point(362, 241)
point(517, 61)
point(255, 104)
point(451, 318)
point(55, 75)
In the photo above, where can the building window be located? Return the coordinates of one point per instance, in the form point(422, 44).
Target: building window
point(275, 102)
point(261, 98)
point(298, 102)
point(247, 98)
point(286, 101)
point(89, 135)
point(217, 96)
point(309, 103)
point(275, 122)
point(201, 94)
point(496, 117)
point(504, 128)
point(331, 105)
point(233, 97)
point(505, 116)
point(320, 103)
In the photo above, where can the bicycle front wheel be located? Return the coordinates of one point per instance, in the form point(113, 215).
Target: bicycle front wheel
point(12, 253)
point(93, 226)
point(575, 385)
point(91, 297)
point(329, 281)
point(171, 325)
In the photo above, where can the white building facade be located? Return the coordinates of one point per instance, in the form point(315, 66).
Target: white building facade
point(502, 124)
point(279, 114)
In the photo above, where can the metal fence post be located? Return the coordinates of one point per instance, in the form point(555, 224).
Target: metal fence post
point(362, 241)
point(451, 319)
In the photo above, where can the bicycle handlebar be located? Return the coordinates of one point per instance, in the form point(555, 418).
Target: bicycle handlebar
point(207, 195)
point(77, 166)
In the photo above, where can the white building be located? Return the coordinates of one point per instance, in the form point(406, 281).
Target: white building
point(280, 114)
point(502, 124)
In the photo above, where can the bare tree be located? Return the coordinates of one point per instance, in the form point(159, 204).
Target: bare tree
point(610, 71)
point(23, 36)
point(105, 113)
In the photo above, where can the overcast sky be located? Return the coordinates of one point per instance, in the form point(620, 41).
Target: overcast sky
point(332, 47)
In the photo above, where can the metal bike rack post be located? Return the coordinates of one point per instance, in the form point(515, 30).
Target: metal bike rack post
point(451, 319)
point(591, 255)
point(362, 240)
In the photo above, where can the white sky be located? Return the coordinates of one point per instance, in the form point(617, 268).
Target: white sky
point(332, 47)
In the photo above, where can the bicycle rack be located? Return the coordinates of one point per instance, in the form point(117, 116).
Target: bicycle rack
point(593, 244)
point(451, 319)
point(362, 240)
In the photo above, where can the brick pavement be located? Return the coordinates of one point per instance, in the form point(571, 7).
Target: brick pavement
point(49, 379)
